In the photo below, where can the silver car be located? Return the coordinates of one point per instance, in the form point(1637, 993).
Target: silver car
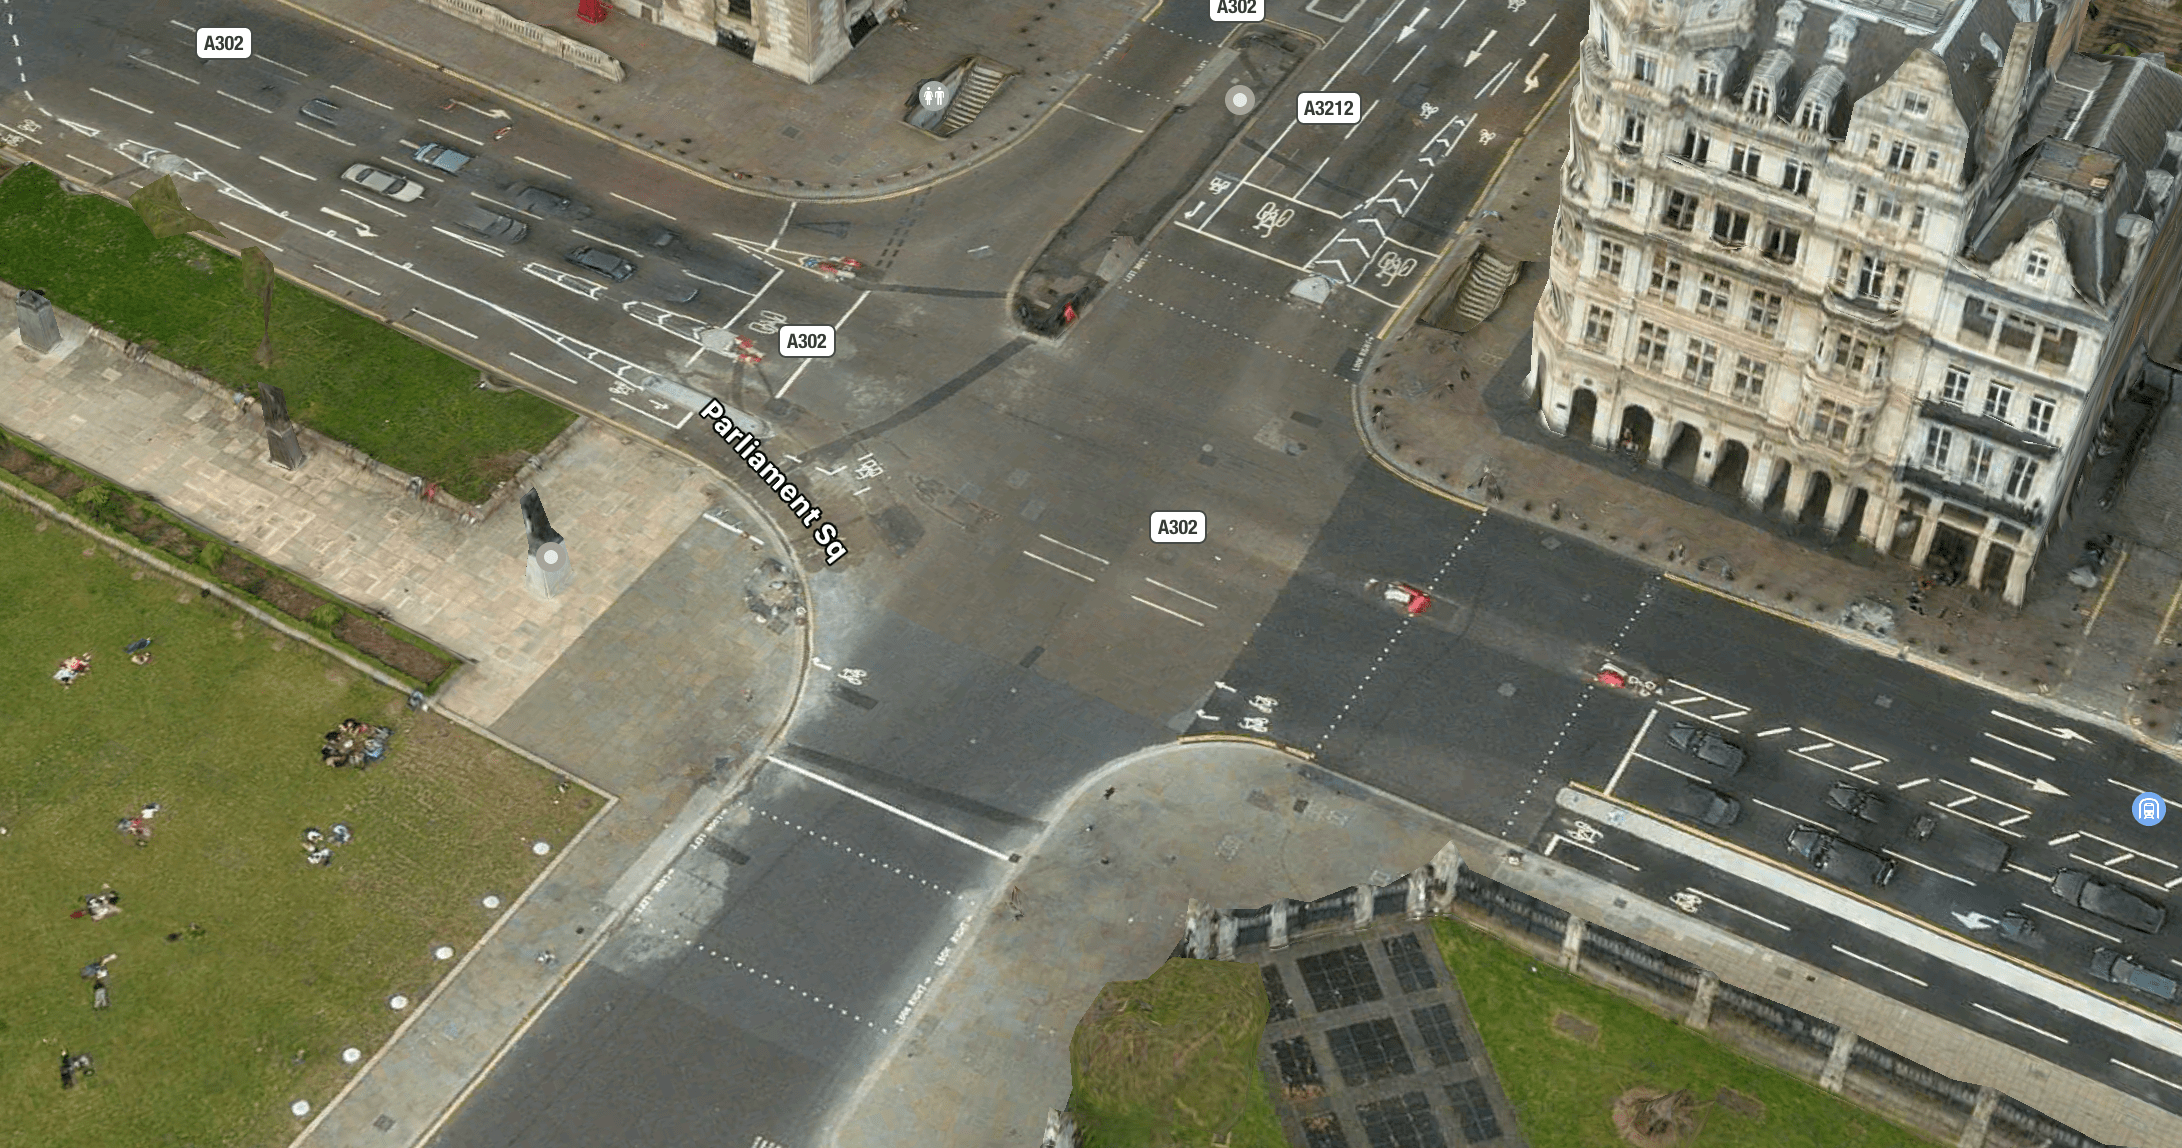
point(386, 183)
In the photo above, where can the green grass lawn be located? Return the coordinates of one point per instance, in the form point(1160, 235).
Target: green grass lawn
point(345, 375)
point(1173, 1060)
point(1564, 1089)
point(210, 1038)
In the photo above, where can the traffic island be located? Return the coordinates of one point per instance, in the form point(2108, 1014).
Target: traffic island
point(1099, 245)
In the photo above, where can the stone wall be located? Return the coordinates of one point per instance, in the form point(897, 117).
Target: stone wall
point(546, 40)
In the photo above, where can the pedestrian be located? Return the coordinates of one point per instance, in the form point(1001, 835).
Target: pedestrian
point(98, 993)
point(68, 1070)
point(141, 659)
point(96, 970)
point(99, 906)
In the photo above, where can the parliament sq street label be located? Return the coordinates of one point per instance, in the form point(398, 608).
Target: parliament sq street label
point(1329, 108)
point(1178, 526)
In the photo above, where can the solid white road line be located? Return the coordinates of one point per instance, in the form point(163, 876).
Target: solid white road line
point(169, 71)
point(1066, 546)
point(2033, 874)
point(207, 135)
point(253, 238)
point(278, 64)
point(785, 217)
point(1623, 764)
point(645, 206)
point(1775, 731)
point(838, 324)
point(441, 322)
point(244, 102)
point(413, 171)
point(2069, 923)
point(343, 278)
point(452, 132)
point(2024, 1023)
point(901, 813)
point(1932, 868)
point(2059, 731)
point(2019, 745)
point(92, 166)
point(1600, 852)
point(1059, 567)
point(1298, 269)
point(122, 102)
point(289, 170)
point(607, 242)
point(2146, 1075)
point(373, 202)
point(546, 369)
point(1103, 119)
point(543, 168)
point(1727, 904)
point(1191, 597)
point(1874, 964)
point(327, 134)
point(479, 244)
point(1164, 610)
point(360, 96)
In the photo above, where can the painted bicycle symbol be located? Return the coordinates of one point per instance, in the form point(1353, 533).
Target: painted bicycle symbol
point(1585, 833)
point(1392, 267)
point(1273, 216)
point(767, 322)
point(1688, 900)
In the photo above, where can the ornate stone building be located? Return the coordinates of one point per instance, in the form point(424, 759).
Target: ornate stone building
point(803, 38)
point(1887, 265)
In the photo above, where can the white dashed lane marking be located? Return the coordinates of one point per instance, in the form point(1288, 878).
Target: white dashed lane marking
point(770, 979)
point(853, 850)
point(1230, 331)
point(1249, 290)
point(1644, 598)
point(1407, 620)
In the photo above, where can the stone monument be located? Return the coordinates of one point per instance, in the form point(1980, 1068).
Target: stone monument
point(280, 435)
point(34, 316)
point(546, 570)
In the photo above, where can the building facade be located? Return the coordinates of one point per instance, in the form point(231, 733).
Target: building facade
point(801, 38)
point(1887, 265)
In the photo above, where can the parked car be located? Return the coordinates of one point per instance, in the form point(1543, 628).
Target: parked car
point(1705, 805)
point(441, 156)
point(539, 201)
point(324, 111)
point(1840, 860)
point(386, 183)
point(492, 224)
point(2018, 927)
point(2122, 969)
point(606, 263)
point(1949, 843)
point(1707, 746)
point(1856, 801)
point(2112, 902)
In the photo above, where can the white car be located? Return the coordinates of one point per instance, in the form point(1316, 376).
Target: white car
point(388, 184)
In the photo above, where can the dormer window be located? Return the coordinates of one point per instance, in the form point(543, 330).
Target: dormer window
point(1761, 99)
point(1708, 82)
point(1646, 69)
point(1813, 115)
point(1916, 105)
point(2035, 266)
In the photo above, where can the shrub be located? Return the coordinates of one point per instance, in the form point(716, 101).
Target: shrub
point(328, 616)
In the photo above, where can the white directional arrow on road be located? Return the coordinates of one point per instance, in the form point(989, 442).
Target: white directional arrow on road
point(1192, 212)
point(84, 129)
point(1411, 28)
point(1975, 921)
point(495, 114)
point(2038, 783)
point(2059, 731)
point(363, 231)
point(1480, 49)
point(1530, 78)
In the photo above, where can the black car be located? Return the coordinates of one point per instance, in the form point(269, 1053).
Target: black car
point(1838, 859)
point(493, 225)
point(1857, 802)
point(324, 111)
point(2122, 969)
point(604, 262)
point(539, 201)
point(2112, 902)
point(1706, 806)
point(1708, 747)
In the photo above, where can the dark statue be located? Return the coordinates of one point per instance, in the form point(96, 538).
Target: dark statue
point(280, 432)
point(534, 517)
